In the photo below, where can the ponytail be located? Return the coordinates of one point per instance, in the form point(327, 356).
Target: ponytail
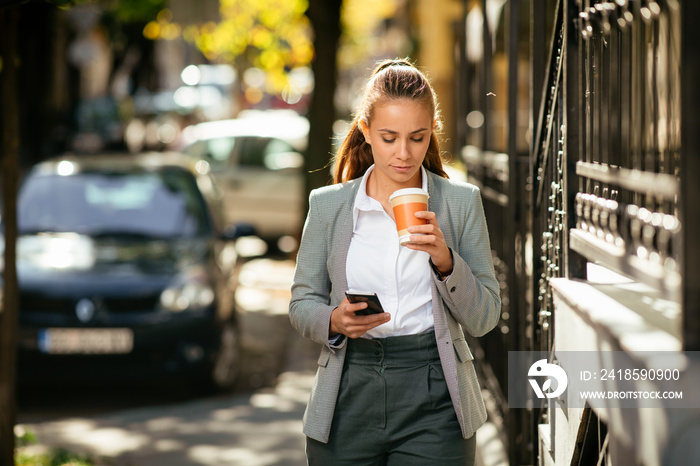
point(354, 155)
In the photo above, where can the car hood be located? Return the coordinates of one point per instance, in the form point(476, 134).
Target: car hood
point(75, 254)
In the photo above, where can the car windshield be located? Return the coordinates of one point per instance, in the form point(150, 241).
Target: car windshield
point(163, 204)
point(247, 152)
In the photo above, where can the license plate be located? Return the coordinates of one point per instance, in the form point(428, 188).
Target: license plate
point(86, 341)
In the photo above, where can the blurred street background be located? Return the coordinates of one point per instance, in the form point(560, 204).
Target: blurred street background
point(157, 158)
point(155, 162)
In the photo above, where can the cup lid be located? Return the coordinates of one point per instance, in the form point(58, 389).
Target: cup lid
point(403, 192)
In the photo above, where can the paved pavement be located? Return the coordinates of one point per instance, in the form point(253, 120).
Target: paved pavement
point(263, 428)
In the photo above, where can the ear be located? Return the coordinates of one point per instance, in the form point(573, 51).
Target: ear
point(365, 131)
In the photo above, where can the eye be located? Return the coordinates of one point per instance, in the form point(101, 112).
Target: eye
point(420, 139)
point(388, 140)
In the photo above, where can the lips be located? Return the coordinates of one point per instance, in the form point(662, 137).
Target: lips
point(402, 169)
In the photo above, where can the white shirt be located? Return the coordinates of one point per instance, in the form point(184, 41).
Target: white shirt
point(377, 263)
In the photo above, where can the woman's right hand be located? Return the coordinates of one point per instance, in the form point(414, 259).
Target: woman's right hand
point(344, 320)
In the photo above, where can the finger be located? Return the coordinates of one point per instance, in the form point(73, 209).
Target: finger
point(426, 234)
point(375, 320)
point(423, 239)
point(359, 325)
point(351, 308)
point(425, 247)
point(427, 215)
point(426, 229)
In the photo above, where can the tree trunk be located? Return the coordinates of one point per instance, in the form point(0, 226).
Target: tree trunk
point(9, 141)
point(325, 19)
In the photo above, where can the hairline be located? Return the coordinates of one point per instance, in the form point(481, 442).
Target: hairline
point(429, 106)
point(391, 131)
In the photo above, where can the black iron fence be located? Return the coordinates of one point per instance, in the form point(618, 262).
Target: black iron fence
point(602, 174)
point(626, 207)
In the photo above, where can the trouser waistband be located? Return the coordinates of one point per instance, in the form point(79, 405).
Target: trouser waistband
point(403, 350)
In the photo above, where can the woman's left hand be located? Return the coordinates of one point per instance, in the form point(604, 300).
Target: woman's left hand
point(431, 241)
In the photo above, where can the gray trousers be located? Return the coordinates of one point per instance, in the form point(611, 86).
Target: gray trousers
point(393, 408)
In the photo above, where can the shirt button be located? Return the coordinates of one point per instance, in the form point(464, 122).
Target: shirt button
point(453, 289)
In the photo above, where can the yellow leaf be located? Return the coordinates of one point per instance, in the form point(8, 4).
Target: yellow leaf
point(151, 30)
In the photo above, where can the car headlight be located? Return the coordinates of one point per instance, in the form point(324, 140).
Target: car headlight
point(189, 291)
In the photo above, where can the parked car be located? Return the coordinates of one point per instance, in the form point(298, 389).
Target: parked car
point(257, 161)
point(125, 269)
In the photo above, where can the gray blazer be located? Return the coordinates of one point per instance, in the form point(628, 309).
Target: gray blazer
point(467, 301)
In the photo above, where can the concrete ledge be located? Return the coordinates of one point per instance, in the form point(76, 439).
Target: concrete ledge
point(545, 446)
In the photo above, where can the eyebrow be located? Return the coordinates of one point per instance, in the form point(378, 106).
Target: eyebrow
point(390, 131)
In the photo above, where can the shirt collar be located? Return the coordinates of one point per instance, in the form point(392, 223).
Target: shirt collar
point(365, 203)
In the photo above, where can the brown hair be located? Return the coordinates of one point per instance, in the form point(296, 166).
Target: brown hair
point(391, 79)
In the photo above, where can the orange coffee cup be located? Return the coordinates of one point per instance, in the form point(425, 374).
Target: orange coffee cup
point(406, 202)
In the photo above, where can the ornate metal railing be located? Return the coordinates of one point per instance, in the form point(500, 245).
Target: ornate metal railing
point(549, 174)
point(626, 207)
point(498, 162)
point(610, 177)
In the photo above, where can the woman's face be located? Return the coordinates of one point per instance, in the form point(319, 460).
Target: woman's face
point(399, 134)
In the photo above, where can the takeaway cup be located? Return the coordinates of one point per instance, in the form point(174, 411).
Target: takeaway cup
point(406, 202)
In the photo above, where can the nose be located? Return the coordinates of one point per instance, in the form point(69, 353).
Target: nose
point(403, 153)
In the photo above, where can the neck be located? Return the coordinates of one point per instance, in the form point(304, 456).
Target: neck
point(380, 188)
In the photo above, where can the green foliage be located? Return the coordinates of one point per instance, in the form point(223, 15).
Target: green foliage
point(125, 11)
point(63, 457)
point(58, 457)
point(55, 457)
point(134, 11)
point(25, 437)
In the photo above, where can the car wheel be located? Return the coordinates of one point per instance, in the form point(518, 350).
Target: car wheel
point(225, 368)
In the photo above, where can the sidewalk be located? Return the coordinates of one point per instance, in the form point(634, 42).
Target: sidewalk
point(251, 430)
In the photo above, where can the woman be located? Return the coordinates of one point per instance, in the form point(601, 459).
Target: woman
point(397, 387)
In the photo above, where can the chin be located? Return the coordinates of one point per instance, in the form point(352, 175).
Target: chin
point(405, 177)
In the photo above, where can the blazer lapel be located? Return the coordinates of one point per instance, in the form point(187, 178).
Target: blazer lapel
point(344, 237)
point(441, 211)
point(342, 240)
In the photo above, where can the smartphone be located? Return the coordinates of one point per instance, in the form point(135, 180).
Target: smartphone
point(373, 304)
